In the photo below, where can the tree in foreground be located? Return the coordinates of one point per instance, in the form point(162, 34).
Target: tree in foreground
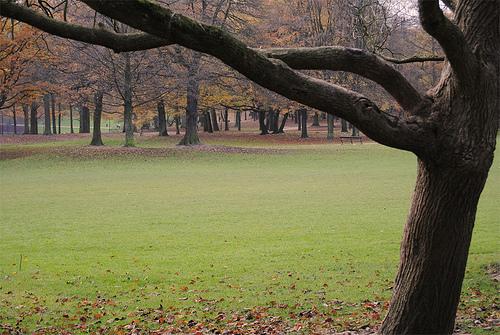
point(451, 129)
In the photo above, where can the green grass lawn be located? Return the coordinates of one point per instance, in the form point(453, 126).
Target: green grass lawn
point(86, 237)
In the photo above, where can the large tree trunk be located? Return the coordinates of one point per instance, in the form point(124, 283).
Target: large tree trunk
point(429, 280)
point(451, 176)
point(96, 135)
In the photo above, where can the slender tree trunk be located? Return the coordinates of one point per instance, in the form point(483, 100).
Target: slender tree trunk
point(177, 124)
point(213, 116)
point(270, 121)
point(329, 121)
point(26, 111)
point(162, 120)
point(72, 131)
point(193, 91)
point(34, 118)
point(344, 126)
point(96, 135)
point(208, 122)
point(59, 109)
point(128, 125)
point(14, 117)
point(315, 120)
point(84, 119)
point(46, 107)
point(283, 123)
point(226, 120)
point(238, 120)
point(303, 116)
point(128, 108)
point(298, 117)
point(355, 131)
point(53, 107)
point(262, 122)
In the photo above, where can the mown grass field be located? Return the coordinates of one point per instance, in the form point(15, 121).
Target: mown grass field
point(99, 239)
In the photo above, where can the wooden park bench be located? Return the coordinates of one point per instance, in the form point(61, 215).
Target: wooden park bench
point(345, 138)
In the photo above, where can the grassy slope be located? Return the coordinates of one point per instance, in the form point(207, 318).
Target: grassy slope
point(303, 228)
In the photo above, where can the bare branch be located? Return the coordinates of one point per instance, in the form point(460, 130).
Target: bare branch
point(450, 37)
point(97, 36)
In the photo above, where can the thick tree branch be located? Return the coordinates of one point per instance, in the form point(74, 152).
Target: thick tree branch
point(97, 36)
point(355, 61)
point(451, 39)
point(413, 59)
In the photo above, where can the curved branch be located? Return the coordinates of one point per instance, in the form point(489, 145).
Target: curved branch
point(355, 61)
point(97, 36)
point(450, 37)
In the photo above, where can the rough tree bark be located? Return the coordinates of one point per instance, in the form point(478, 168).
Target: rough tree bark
point(451, 129)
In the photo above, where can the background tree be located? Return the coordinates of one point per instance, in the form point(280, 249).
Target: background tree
point(451, 129)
